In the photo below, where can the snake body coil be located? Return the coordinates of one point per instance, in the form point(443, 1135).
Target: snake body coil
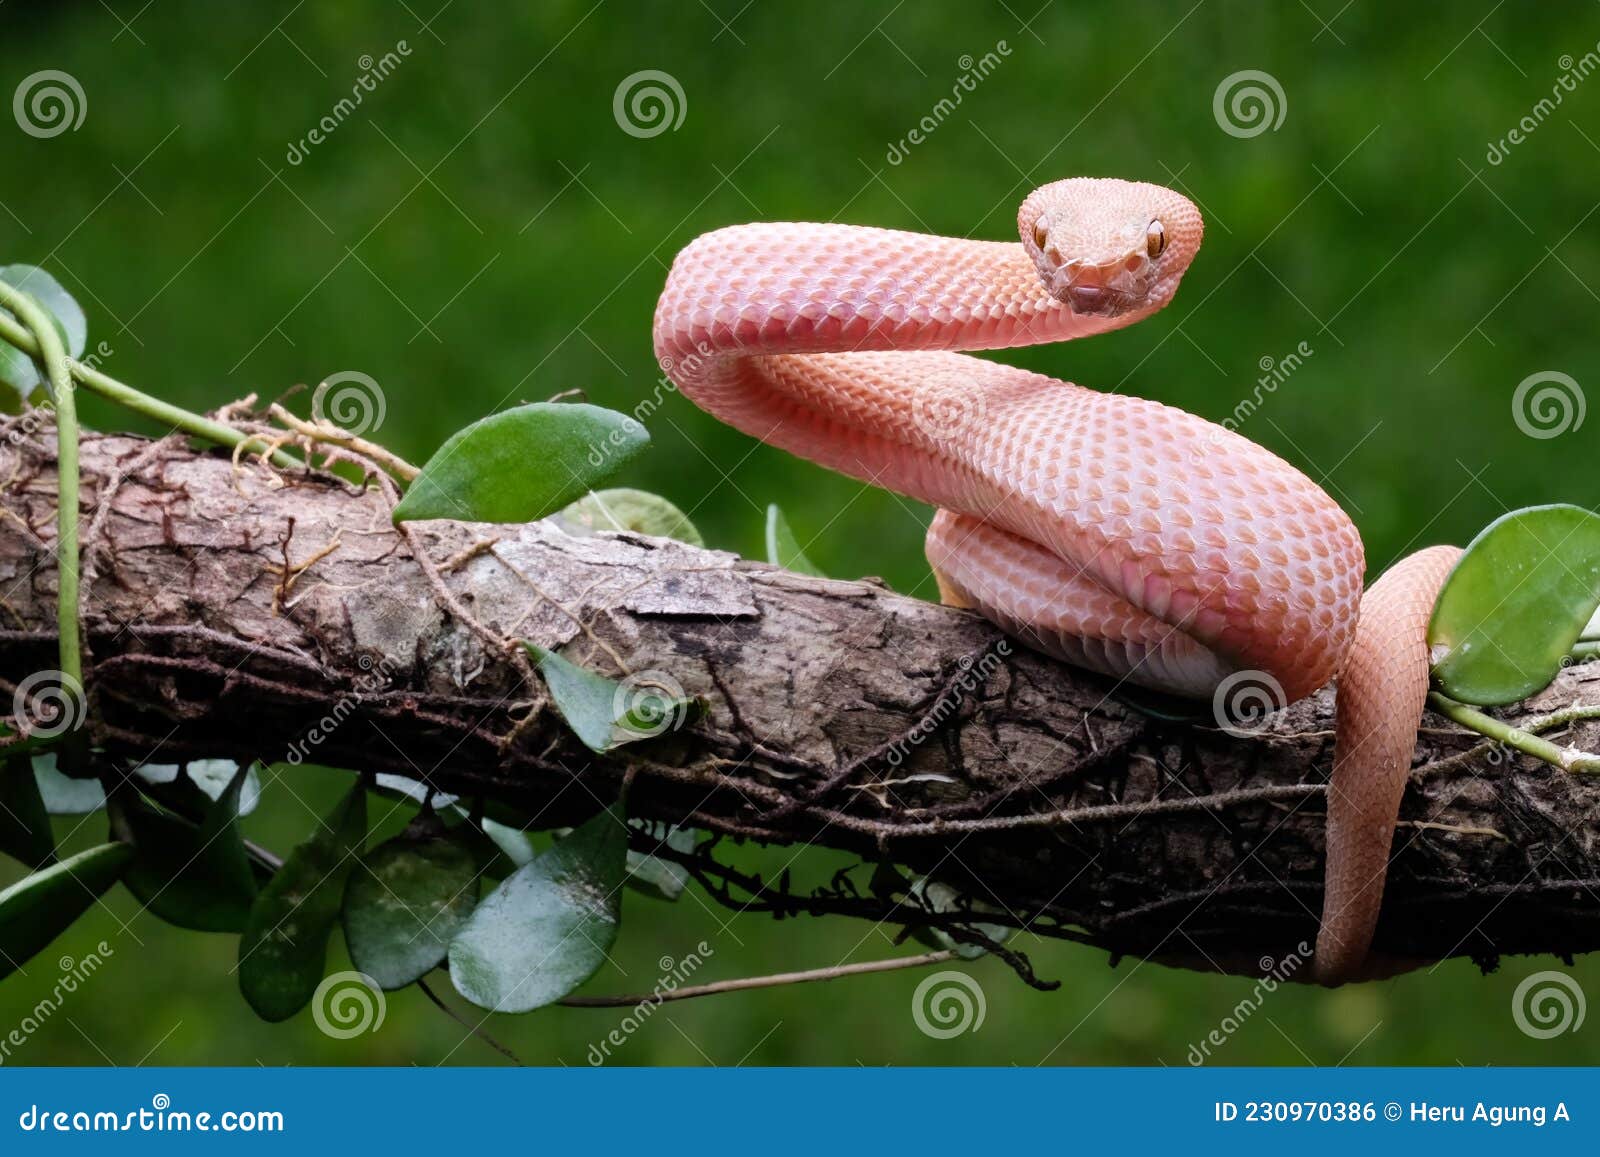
point(1117, 533)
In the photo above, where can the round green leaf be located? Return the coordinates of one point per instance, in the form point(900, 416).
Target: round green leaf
point(604, 713)
point(284, 948)
point(62, 307)
point(38, 908)
point(17, 369)
point(523, 464)
point(636, 511)
point(404, 909)
point(1515, 603)
point(19, 375)
point(547, 927)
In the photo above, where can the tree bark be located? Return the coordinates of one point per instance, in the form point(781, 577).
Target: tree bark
point(243, 613)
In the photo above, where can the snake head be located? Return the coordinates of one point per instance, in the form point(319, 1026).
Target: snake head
point(1105, 247)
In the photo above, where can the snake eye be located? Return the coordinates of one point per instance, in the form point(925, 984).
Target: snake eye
point(1155, 239)
point(1040, 234)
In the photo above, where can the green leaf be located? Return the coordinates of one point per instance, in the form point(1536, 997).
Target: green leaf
point(547, 927)
point(635, 511)
point(19, 377)
point(782, 547)
point(64, 795)
point(38, 908)
point(191, 875)
point(500, 848)
point(17, 369)
point(523, 464)
point(285, 945)
point(1515, 603)
point(512, 843)
point(62, 307)
point(24, 823)
point(605, 713)
point(402, 912)
point(654, 876)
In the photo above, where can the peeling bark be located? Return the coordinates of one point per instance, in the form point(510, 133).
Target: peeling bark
point(240, 614)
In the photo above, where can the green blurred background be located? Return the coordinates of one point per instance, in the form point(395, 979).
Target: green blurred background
point(481, 231)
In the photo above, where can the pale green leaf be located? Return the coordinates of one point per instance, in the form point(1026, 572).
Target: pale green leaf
point(634, 511)
point(605, 713)
point(408, 901)
point(783, 549)
point(547, 927)
point(1519, 598)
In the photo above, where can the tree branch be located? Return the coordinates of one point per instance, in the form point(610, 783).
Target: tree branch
point(250, 614)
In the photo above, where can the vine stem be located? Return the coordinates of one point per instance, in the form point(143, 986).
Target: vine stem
point(123, 394)
point(47, 346)
point(1523, 739)
point(773, 981)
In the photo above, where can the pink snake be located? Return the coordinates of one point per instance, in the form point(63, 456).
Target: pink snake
point(1116, 533)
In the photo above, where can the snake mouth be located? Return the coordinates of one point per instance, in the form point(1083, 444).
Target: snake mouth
point(1093, 299)
point(1094, 290)
point(1096, 301)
